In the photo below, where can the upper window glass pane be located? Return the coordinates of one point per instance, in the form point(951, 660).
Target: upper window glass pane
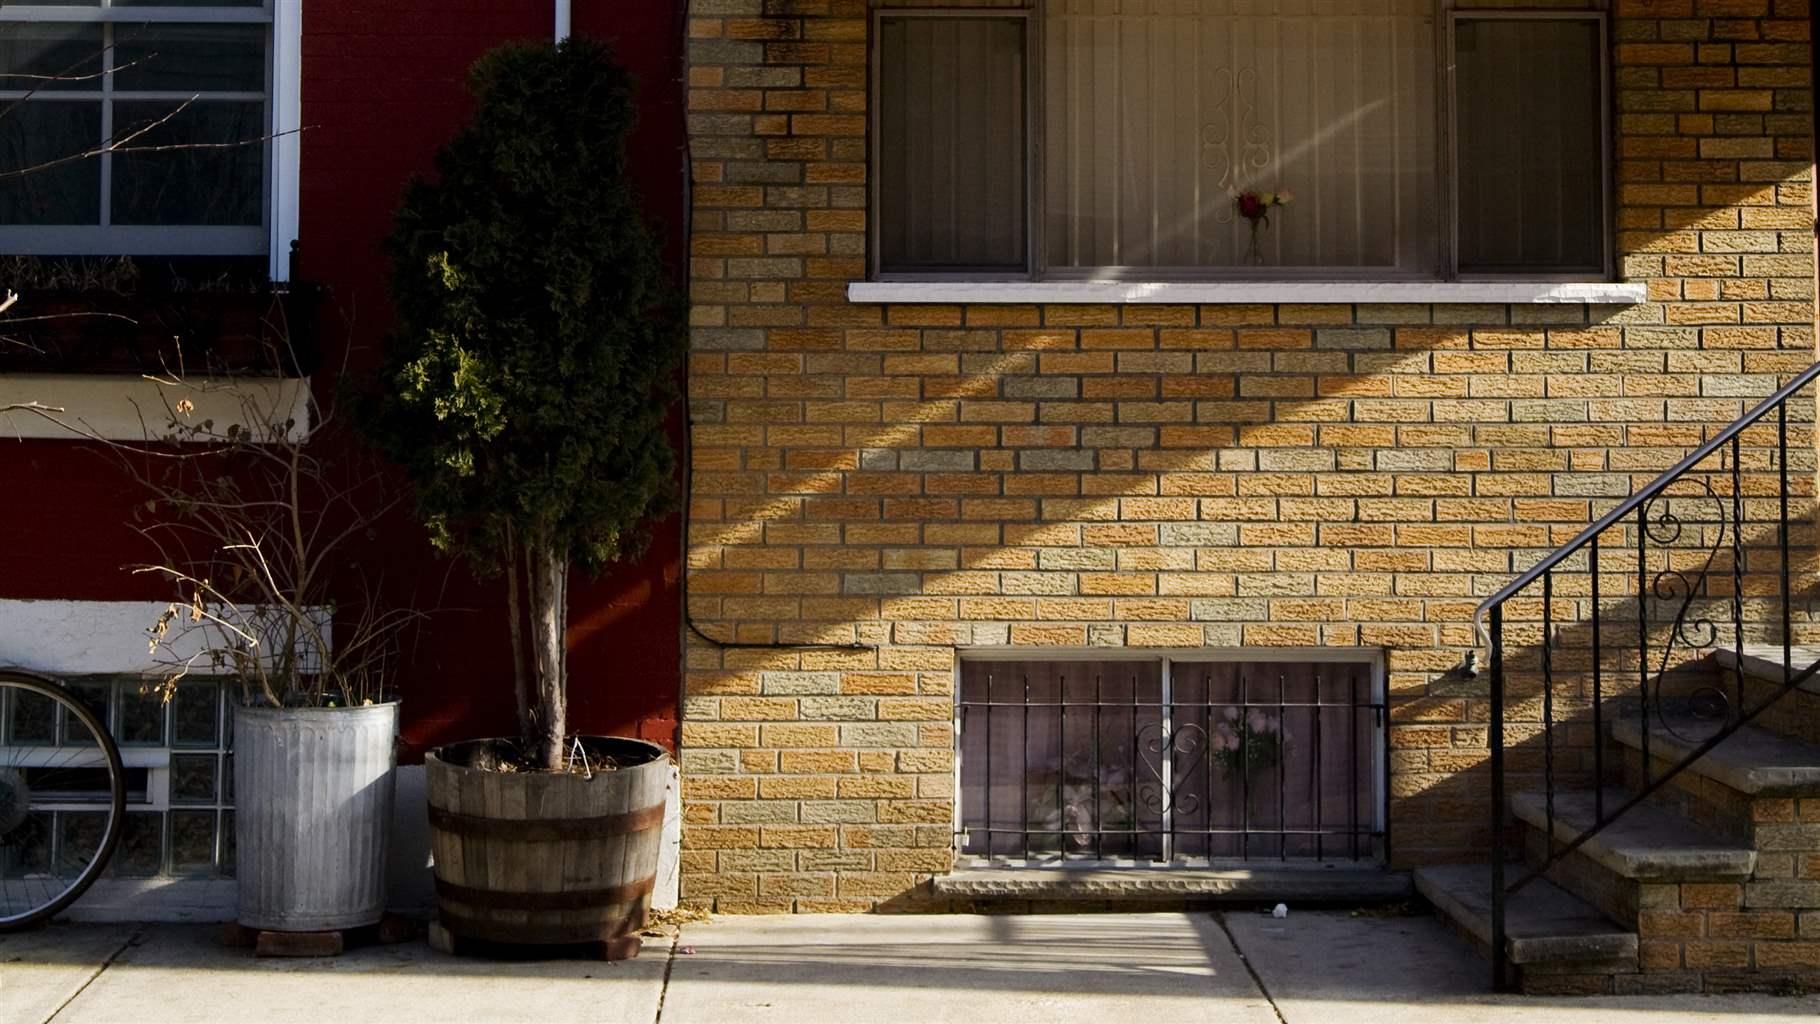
point(1156, 122)
point(191, 170)
point(39, 182)
point(189, 58)
point(50, 57)
point(951, 168)
point(1531, 153)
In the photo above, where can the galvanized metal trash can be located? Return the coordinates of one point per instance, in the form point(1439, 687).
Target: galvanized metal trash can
point(313, 795)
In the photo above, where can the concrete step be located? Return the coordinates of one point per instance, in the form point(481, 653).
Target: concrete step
point(1310, 883)
point(1764, 661)
point(1556, 942)
point(1645, 843)
point(1752, 762)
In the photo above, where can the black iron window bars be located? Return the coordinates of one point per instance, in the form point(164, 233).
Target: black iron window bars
point(1152, 762)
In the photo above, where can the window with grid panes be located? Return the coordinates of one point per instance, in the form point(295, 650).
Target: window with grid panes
point(136, 128)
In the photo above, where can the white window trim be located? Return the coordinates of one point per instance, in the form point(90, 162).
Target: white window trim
point(1259, 292)
point(285, 121)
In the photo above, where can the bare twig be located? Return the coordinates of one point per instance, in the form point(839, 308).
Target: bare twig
point(246, 520)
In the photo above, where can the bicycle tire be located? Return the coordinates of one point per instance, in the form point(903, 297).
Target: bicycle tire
point(17, 682)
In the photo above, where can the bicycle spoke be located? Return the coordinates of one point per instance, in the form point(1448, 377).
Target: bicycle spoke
point(62, 795)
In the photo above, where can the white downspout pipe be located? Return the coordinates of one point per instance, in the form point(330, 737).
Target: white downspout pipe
point(562, 20)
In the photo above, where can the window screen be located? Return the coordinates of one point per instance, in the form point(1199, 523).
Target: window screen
point(1531, 157)
point(951, 163)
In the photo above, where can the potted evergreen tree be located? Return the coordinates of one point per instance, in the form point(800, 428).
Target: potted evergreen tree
point(525, 392)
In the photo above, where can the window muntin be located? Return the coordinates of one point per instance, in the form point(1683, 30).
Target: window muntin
point(1337, 101)
point(185, 102)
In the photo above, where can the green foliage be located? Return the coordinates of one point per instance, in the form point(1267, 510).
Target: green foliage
point(538, 338)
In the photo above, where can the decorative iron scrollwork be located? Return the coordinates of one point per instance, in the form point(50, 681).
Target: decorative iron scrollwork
point(1690, 629)
point(1189, 741)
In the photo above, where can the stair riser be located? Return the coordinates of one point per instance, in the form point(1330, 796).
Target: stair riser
point(1572, 978)
point(1781, 829)
point(1613, 896)
point(1706, 803)
point(1795, 715)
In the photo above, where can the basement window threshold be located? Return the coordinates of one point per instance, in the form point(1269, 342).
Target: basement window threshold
point(1306, 883)
point(1603, 293)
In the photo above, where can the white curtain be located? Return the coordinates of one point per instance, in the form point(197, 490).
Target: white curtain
point(1158, 111)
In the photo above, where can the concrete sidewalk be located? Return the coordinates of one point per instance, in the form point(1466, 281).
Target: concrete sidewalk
point(1236, 967)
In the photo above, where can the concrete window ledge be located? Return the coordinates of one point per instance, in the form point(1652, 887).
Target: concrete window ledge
point(134, 407)
point(1276, 882)
point(1256, 292)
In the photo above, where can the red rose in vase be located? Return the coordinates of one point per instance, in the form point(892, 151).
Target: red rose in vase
point(1255, 206)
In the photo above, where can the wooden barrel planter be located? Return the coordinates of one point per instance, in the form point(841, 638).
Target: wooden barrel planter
point(536, 858)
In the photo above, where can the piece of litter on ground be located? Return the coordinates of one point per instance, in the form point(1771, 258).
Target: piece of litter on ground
point(688, 951)
point(1281, 910)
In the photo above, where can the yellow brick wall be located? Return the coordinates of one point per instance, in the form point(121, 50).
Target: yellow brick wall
point(913, 480)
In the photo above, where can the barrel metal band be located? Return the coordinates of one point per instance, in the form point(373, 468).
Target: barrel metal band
point(546, 829)
point(568, 899)
point(489, 931)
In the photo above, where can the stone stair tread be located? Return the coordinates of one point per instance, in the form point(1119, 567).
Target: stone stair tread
point(1752, 761)
point(1645, 842)
point(1542, 922)
point(1764, 661)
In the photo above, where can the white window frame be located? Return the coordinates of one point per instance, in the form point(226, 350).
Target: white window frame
point(1212, 284)
point(277, 231)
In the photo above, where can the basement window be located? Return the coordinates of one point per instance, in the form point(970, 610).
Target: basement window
point(1169, 762)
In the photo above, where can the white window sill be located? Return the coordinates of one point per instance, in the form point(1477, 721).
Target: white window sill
point(1268, 292)
point(131, 407)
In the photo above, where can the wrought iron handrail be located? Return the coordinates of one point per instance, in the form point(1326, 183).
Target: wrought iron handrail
point(1635, 501)
point(1682, 585)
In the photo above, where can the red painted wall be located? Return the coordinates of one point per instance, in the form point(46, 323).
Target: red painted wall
point(382, 88)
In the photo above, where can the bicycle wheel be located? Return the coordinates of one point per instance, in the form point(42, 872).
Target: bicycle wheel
point(62, 798)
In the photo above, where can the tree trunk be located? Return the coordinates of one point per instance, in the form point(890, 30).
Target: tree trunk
point(549, 573)
point(521, 686)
